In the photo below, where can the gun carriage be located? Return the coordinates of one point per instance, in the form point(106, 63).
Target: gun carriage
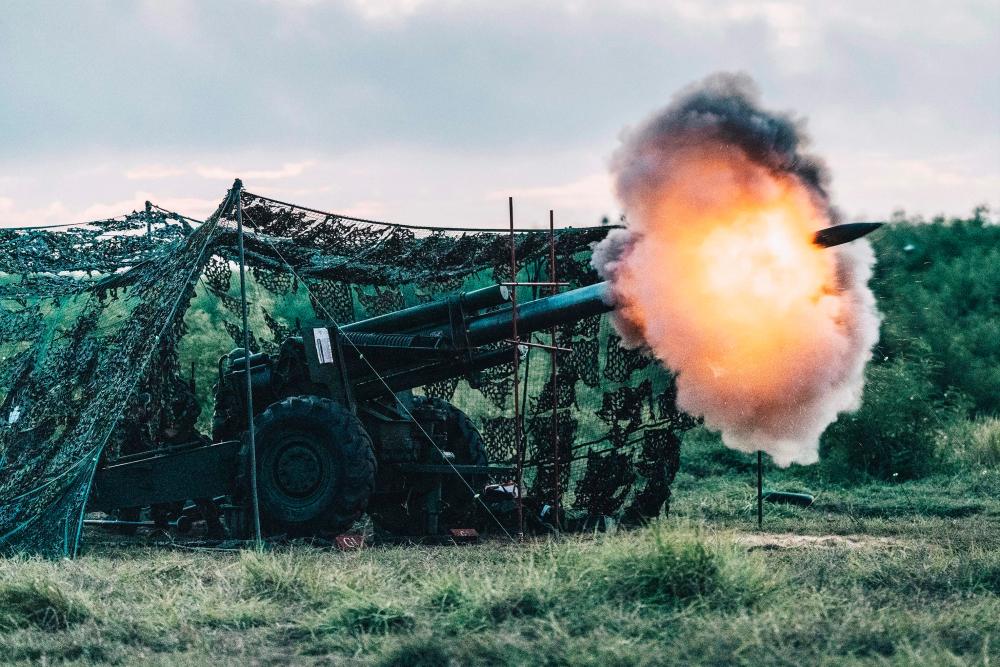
point(338, 429)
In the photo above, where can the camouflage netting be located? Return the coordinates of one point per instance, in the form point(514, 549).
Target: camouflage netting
point(97, 337)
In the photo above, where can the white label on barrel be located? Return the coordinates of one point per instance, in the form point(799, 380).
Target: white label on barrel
point(323, 348)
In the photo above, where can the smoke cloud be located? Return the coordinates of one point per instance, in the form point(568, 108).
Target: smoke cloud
point(717, 276)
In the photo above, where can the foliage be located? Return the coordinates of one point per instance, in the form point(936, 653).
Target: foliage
point(938, 358)
point(894, 433)
point(937, 284)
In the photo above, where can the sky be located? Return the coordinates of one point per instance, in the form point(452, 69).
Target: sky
point(434, 112)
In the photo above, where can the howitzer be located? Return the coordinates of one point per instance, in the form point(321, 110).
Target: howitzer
point(338, 429)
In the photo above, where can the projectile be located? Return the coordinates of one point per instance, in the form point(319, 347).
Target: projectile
point(845, 233)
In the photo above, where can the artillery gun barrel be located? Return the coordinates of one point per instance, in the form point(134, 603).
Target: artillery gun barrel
point(829, 237)
point(489, 328)
point(430, 314)
point(541, 313)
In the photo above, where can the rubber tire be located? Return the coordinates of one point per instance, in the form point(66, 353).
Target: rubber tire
point(337, 440)
point(458, 503)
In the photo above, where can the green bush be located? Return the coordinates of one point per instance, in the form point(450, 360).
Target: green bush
point(938, 357)
point(894, 434)
point(937, 282)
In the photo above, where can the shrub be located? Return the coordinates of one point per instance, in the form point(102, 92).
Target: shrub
point(937, 282)
point(894, 434)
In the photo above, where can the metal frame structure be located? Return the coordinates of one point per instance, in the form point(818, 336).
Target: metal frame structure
point(552, 349)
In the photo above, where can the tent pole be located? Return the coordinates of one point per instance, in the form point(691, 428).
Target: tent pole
point(517, 351)
point(251, 435)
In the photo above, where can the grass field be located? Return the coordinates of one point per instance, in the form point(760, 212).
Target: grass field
point(871, 574)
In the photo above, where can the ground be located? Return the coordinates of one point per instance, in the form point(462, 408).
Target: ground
point(871, 574)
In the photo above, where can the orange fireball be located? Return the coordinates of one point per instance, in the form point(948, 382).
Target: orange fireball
point(721, 280)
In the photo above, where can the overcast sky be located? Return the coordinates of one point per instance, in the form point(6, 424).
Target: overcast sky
point(430, 112)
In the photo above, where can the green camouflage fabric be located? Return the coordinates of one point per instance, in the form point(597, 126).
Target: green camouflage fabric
point(97, 332)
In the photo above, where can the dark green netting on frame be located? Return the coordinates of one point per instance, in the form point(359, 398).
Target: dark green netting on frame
point(78, 340)
point(110, 334)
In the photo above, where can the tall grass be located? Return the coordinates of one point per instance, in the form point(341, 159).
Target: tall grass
point(972, 443)
point(675, 592)
point(35, 601)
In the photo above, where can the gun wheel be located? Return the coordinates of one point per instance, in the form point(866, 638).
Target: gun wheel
point(402, 514)
point(315, 467)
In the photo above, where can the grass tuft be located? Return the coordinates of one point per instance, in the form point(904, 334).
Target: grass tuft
point(418, 652)
point(664, 571)
point(282, 576)
point(521, 604)
point(373, 617)
point(39, 603)
point(972, 443)
point(676, 567)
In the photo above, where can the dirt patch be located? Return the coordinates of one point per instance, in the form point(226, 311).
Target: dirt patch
point(793, 541)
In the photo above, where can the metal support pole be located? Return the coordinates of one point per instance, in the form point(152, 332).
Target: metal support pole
point(554, 354)
point(517, 351)
point(760, 490)
point(527, 361)
point(251, 435)
point(149, 219)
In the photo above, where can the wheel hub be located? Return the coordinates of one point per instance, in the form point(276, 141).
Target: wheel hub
point(298, 470)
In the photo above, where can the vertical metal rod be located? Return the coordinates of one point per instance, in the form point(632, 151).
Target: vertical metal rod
point(149, 219)
point(554, 354)
point(527, 359)
point(251, 434)
point(760, 490)
point(517, 351)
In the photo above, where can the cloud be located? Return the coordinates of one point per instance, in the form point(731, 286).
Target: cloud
point(444, 104)
point(153, 172)
point(50, 213)
point(287, 170)
point(387, 10)
point(590, 190)
point(57, 212)
point(931, 185)
point(367, 209)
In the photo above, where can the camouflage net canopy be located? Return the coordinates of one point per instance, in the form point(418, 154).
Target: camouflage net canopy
point(110, 331)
